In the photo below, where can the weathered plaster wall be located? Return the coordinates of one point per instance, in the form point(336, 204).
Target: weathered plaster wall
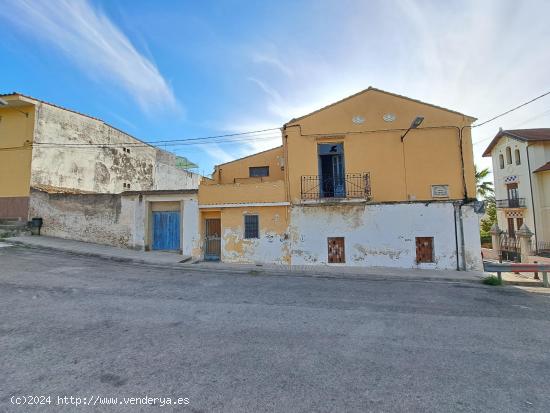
point(167, 176)
point(271, 247)
point(99, 218)
point(140, 209)
point(98, 169)
point(381, 235)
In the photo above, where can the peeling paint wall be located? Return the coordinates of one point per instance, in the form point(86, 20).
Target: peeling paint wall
point(140, 208)
point(273, 244)
point(382, 235)
point(99, 218)
point(98, 169)
point(112, 219)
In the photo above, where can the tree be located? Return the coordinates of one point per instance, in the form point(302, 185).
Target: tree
point(484, 188)
point(490, 217)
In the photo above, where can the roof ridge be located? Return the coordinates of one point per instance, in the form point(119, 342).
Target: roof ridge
point(521, 136)
point(248, 156)
point(372, 88)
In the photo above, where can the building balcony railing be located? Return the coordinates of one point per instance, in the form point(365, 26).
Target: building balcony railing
point(511, 203)
point(346, 186)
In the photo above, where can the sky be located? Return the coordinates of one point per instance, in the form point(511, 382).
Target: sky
point(183, 69)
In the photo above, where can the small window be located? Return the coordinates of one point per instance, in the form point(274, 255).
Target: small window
point(518, 157)
point(251, 228)
point(501, 161)
point(440, 191)
point(255, 171)
point(424, 249)
point(336, 250)
point(508, 155)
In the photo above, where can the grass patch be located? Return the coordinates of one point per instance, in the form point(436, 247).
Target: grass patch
point(492, 280)
point(254, 272)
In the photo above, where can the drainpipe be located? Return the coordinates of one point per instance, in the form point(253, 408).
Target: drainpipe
point(455, 216)
point(462, 241)
point(532, 197)
point(459, 231)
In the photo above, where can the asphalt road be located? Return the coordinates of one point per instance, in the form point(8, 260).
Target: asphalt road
point(88, 328)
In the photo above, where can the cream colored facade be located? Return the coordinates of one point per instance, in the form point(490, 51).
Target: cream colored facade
point(521, 173)
point(345, 172)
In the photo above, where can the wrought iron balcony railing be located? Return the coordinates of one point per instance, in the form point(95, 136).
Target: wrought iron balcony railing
point(345, 186)
point(511, 203)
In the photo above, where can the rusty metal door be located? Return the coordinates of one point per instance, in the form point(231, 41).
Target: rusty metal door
point(336, 251)
point(424, 249)
point(212, 239)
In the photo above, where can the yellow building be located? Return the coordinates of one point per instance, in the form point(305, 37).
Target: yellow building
point(374, 179)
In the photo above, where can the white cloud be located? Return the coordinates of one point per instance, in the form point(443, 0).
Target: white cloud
point(479, 58)
point(271, 60)
point(87, 36)
point(217, 153)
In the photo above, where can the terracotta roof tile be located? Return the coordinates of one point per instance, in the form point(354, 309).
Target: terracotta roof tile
point(545, 167)
point(524, 135)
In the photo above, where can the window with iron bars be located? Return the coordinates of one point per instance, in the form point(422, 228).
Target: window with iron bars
point(251, 227)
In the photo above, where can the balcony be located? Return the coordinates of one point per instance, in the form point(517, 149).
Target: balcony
point(511, 203)
point(346, 186)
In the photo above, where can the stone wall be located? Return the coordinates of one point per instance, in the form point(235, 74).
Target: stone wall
point(98, 218)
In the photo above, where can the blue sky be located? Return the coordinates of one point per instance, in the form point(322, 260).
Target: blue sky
point(181, 69)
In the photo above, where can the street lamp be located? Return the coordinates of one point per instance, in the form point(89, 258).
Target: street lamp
point(415, 124)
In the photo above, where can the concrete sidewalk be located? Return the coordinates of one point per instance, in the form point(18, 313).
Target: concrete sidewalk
point(97, 250)
point(174, 260)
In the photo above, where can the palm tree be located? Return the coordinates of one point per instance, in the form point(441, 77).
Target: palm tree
point(484, 188)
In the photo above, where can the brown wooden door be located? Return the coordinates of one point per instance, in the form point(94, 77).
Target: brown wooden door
point(424, 249)
point(336, 251)
point(511, 229)
point(212, 239)
point(519, 222)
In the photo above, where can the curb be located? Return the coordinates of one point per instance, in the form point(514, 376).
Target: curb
point(524, 283)
point(257, 271)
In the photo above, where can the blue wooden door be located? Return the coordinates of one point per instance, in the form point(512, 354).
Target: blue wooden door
point(166, 230)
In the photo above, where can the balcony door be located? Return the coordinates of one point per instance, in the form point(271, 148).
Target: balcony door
point(331, 170)
point(513, 195)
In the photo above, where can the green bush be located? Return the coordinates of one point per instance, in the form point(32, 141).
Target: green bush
point(492, 280)
point(486, 240)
